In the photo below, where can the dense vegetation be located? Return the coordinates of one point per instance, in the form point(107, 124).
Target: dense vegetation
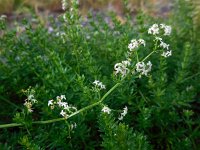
point(100, 83)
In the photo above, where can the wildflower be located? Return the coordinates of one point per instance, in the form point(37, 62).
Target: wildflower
point(122, 68)
point(142, 42)
point(28, 106)
point(62, 97)
point(50, 102)
point(66, 109)
point(99, 85)
point(164, 45)
point(64, 4)
point(166, 54)
point(30, 99)
point(154, 29)
point(135, 44)
point(143, 68)
point(63, 113)
point(167, 29)
point(158, 38)
point(106, 110)
point(60, 103)
point(123, 114)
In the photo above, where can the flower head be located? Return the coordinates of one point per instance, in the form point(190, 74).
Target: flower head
point(99, 85)
point(122, 68)
point(143, 68)
point(123, 114)
point(154, 29)
point(106, 110)
point(166, 54)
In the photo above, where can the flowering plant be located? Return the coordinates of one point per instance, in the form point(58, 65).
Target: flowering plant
point(99, 85)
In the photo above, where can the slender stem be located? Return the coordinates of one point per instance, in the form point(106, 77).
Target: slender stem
point(137, 56)
point(61, 119)
point(148, 56)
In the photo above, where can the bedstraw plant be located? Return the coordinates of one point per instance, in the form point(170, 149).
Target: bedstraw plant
point(97, 83)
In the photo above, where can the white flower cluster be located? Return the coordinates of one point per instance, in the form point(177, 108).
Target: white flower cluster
point(122, 68)
point(66, 109)
point(99, 85)
point(143, 68)
point(155, 28)
point(135, 44)
point(165, 46)
point(30, 99)
point(123, 114)
point(106, 109)
point(64, 4)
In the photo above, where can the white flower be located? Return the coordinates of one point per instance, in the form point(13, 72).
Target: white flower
point(167, 29)
point(122, 68)
point(30, 97)
point(142, 42)
point(63, 113)
point(64, 4)
point(140, 66)
point(99, 85)
point(62, 97)
point(106, 110)
point(164, 45)
point(28, 106)
point(143, 68)
point(135, 44)
point(158, 38)
point(154, 29)
point(64, 104)
point(123, 114)
point(166, 54)
point(60, 103)
point(96, 82)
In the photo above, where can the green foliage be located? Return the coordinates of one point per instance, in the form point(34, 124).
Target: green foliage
point(130, 111)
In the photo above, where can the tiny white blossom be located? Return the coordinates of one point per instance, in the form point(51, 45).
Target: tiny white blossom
point(106, 110)
point(158, 38)
point(134, 44)
point(164, 45)
point(122, 68)
point(167, 29)
point(64, 4)
point(123, 114)
point(60, 103)
point(143, 68)
point(63, 113)
point(99, 85)
point(166, 54)
point(154, 29)
point(96, 82)
point(142, 42)
point(62, 97)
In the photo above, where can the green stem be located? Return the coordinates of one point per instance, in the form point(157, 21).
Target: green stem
point(61, 119)
point(148, 56)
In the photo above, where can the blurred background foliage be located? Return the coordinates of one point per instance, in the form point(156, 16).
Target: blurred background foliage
point(8, 6)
